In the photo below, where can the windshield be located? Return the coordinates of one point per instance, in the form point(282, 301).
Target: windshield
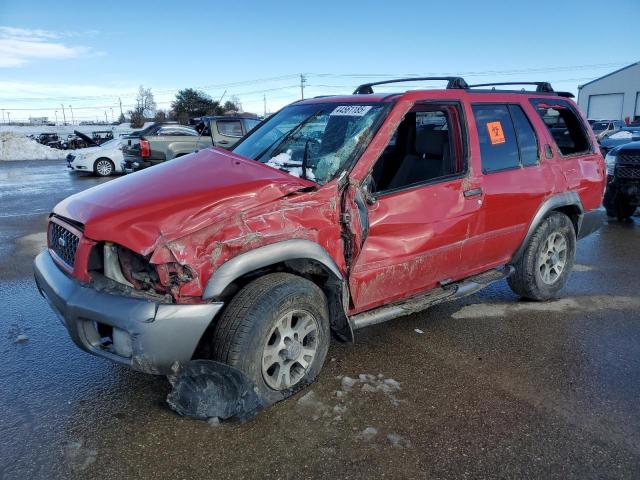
point(324, 137)
point(599, 126)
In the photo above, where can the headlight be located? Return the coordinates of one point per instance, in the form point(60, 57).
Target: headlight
point(610, 161)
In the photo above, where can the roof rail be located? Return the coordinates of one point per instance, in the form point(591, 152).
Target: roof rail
point(541, 87)
point(452, 83)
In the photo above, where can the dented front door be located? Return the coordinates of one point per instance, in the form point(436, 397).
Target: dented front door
point(414, 242)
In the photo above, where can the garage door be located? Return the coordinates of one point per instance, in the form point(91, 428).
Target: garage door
point(605, 107)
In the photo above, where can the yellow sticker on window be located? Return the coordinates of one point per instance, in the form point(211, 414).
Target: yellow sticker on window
point(496, 134)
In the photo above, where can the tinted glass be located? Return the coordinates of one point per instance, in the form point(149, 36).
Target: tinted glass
point(420, 151)
point(564, 125)
point(526, 136)
point(249, 123)
point(230, 128)
point(498, 145)
point(177, 131)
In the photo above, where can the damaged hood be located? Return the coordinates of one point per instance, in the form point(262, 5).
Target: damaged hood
point(176, 198)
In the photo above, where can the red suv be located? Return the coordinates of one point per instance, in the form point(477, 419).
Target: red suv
point(333, 214)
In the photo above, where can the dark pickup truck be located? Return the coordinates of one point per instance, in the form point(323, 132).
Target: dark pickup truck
point(166, 141)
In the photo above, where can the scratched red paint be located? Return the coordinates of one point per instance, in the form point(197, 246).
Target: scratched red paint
point(205, 209)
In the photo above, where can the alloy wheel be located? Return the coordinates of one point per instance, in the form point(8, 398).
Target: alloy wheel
point(290, 349)
point(553, 258)
point(104, 168)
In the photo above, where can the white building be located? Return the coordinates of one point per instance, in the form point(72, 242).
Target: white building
point(38, 120)
point(614, 96)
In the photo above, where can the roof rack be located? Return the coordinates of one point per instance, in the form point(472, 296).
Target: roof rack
point(460, 83)
point(541, 87)
point(452, 83)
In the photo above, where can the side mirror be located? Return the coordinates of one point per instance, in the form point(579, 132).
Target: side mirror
point(367, 191)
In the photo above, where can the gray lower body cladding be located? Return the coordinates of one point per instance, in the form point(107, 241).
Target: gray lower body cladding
point(144, 335)
point(592, 221)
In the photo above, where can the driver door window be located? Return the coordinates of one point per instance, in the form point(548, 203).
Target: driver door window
point(423, 150)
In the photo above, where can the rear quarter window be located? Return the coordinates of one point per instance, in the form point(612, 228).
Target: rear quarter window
point(564, 125)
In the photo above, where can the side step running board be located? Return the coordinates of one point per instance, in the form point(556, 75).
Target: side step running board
point(452, 291)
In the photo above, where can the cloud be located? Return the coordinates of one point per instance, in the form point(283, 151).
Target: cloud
point(19, 46)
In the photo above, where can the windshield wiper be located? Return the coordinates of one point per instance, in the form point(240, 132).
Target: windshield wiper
point(280, 141)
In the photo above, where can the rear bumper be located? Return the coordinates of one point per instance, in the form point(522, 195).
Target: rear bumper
point(145, 335)
point(592, 221)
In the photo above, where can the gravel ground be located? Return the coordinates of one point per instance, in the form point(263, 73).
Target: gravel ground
point(485, 387)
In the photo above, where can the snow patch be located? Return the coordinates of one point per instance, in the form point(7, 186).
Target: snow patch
point(569, 305)
point(621, 135)
point(283, 161)
point(14, 146)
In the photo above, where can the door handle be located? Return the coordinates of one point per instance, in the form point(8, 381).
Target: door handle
point(474, 192)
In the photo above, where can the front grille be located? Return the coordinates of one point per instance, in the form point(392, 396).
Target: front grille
point(629, 158)
point(63, 243)
point(626, 171)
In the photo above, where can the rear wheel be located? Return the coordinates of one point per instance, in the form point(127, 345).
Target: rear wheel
point(103, 167)
point(624, 208)
point(544, 267)
point(276, 331)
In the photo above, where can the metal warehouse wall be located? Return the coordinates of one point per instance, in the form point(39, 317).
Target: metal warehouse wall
point(622, 90)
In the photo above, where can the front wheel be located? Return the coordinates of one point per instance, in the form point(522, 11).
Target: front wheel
point(103, 167)
point(276, 331)
point(544, 267)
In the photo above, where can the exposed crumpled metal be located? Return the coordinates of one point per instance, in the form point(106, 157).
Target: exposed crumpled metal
point(204, 389)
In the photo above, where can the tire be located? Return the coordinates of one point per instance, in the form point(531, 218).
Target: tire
point(624, 208)
point(103, 167)
point(533, 277)
point(255, 321)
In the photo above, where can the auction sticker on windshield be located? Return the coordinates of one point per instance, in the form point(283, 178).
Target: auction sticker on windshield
point(351, 110)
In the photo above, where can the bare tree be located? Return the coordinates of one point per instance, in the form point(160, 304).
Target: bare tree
point(145, 104)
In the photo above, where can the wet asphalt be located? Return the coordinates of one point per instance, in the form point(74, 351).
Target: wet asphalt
point(493, 387)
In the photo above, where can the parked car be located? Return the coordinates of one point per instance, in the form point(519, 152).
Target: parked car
point(604, 128)
point(103, 160)
point(51, 140)
point(102, 136)
point(253, 257)
point(622, 196)
point(626, 135)
point(225, 131)
point(159, 144)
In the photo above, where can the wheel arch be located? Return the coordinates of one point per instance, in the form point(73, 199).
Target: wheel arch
point(304, 258)
point(568, 203)
point(95, 163)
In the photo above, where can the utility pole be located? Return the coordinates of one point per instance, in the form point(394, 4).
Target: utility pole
point(3, 115)
point(264, 99)
point(303, 80)
point(9, 117)
point(111, 114)
point(73, 121)
point(64, 116)
point(56, 113)
point(120, 102)
point(106, 120)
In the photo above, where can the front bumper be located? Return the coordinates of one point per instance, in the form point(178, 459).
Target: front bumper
point(145, 335)
point(592, 221)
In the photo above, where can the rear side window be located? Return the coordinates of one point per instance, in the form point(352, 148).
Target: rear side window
point(230, 128)
point(177, 132)
point(526, 136)
point(564, 124)
point(498, 144)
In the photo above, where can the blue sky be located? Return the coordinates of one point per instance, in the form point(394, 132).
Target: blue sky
point(90, 53)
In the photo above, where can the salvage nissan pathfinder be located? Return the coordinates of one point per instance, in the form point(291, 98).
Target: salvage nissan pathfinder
point(334, 214)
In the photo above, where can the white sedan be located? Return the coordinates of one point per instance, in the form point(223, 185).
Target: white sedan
point(102, 161)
